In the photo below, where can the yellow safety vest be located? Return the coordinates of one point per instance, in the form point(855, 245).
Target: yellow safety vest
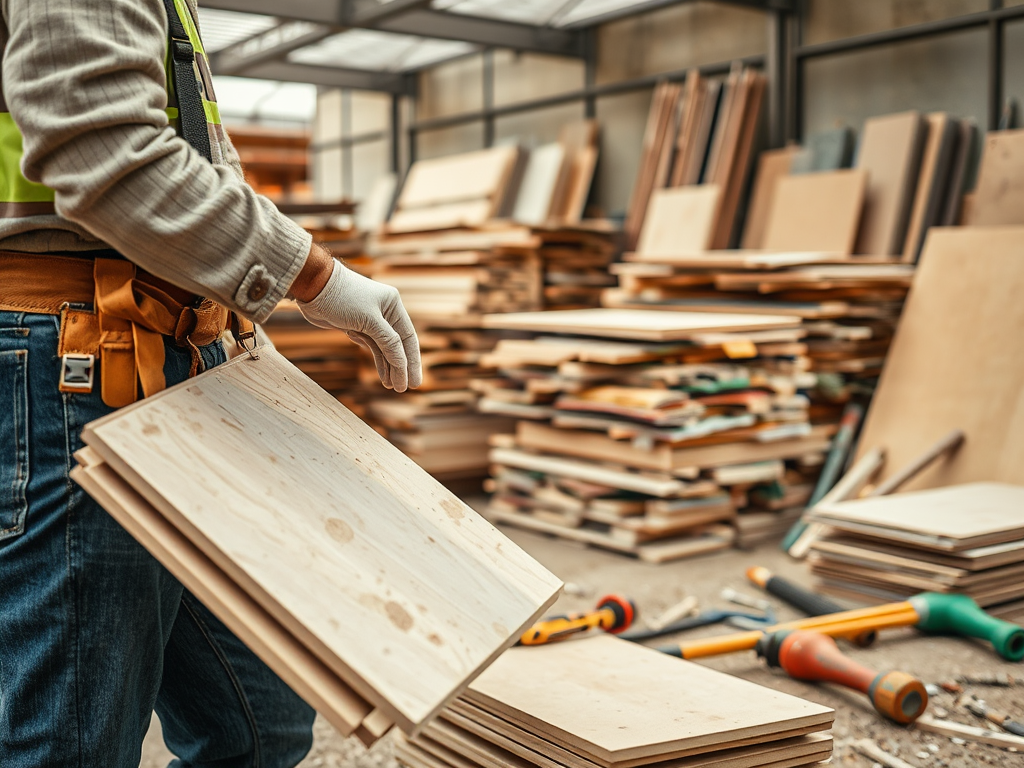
point(185, 58)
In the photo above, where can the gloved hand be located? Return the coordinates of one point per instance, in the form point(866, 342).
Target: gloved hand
point(373, 315)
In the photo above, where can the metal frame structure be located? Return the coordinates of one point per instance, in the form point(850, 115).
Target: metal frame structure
point(307, 22)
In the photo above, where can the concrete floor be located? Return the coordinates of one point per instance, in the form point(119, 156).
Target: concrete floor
point(655, 587)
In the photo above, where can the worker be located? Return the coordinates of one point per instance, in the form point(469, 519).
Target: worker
point(122, 202)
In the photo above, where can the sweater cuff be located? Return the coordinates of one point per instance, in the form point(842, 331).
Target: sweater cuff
point(276, 264)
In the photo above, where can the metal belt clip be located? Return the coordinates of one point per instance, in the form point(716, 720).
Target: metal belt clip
point(249, 338)
point(76, 373)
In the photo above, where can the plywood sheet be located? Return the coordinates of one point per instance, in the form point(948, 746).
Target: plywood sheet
point(266, 637)
point(458, 178)
point(890, 152)
point(816, 212)
point(614, 701)
point(680, 220)
point(955, 361)
point(932, 183)
point(544, 171)
point(956, 517)
point(644, 325)
point(999, 195)
point(771, 166)
point(328, 526)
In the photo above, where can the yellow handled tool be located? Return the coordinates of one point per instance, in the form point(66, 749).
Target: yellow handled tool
point(614, 614)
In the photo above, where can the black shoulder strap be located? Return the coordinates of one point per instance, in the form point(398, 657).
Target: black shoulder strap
point(191, 114)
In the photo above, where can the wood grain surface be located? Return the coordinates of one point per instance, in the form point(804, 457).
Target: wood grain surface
point(816, 212)
point(368, 560)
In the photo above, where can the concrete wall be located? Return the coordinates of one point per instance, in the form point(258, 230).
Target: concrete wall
point(943, 73)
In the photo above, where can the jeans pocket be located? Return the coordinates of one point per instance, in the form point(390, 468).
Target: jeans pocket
point(13, 442)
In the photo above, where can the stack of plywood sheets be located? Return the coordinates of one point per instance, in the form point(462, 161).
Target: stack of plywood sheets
point(963, 539)
point(329, 357)
point(322, 527)
point(702, 132)
point(644, 432)
point(611, 704)
point(448, 280)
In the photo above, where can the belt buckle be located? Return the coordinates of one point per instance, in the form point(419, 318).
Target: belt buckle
point(77, 372)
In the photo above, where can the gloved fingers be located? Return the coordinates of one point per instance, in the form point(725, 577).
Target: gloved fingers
point(390, 344)
point(410, 343)
point(383, 367)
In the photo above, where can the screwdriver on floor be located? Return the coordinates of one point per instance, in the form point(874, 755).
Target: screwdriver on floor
point(980, 708)
point(806, 655)
point(613, 613)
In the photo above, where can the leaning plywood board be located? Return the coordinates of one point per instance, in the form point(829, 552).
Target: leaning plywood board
point(645, 325)
point(932, 182)
point(999, 195)
point(327, 526)
point(955, 361)
point(459, 178)
point(680, 220)
point(890, 152)
point(544, 172)
point(268, 639)
point(618, 703)
point(953, 518)
point(816, 212)
point(772, 165)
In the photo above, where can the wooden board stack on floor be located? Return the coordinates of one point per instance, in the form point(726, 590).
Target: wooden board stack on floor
point(962, 539)
point(849, 305)
point(701, 132)
point(602, 702)
point(294, 522)
point(645, 432)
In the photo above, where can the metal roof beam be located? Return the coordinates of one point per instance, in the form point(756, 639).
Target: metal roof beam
point(271, 45)
point(411, 18)
point(330, 77)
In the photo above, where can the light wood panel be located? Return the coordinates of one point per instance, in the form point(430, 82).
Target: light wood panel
point(955, 361)
point(321, 499)
point(613, 701)
point(545, 169)
point(999, 195)
point(955, 518)
point(644, 325)
point(458, 178)
point(772, 165)
point(816, 212)
point(932, 183)
point(890, 152)
point(680, 220)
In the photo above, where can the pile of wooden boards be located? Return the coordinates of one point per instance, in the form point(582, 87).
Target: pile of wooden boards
point(954, 365)
point(328, 356)
point(448, 281)
point(962, 539)
point(645, 432)
point(338, 561)
point(701, 132)
point(849, 306)
point(602, 702)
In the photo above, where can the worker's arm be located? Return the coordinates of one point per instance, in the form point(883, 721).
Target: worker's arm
point(85, 82)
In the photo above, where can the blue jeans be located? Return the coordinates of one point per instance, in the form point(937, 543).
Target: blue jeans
point(94, 633)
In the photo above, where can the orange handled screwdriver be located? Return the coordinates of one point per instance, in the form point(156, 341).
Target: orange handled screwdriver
point(614, 614)
point(806, 655)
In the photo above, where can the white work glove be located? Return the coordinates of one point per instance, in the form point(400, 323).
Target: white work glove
point(373, 315)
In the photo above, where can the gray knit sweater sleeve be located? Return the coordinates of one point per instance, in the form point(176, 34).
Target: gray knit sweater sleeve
point(85, 82)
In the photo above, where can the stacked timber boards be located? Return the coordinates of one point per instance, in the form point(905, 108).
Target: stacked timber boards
point(322, 528)
point(644, 432)
point(962, 539)
point(604, 702)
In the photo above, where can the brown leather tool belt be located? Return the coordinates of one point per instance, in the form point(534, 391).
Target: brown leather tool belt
point(132, 312)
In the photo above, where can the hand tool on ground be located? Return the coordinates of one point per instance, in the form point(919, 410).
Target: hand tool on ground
point(841, 443)
point(748, 601)
point(930, 612)
point(613, 613)
point(806, 655)
point(704, 619)
point(980, 708)
point(802, 599)
point(946, 446)
point(685, 607)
